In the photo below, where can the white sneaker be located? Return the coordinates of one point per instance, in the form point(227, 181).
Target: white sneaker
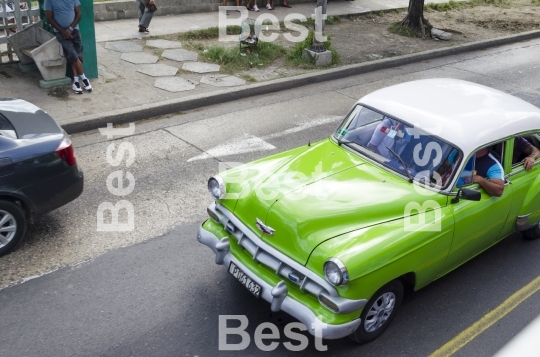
point(86, 85)
point(77, 88)
point(255, 8)
point(269, 7)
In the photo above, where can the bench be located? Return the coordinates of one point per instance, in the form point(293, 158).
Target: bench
point(35, 45)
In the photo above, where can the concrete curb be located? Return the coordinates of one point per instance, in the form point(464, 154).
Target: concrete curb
point(121, 116)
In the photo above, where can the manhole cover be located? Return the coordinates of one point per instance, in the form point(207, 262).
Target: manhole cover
point(4, 74)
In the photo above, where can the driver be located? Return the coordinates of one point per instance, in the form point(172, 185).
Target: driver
point(489, 173)
point(391, 134)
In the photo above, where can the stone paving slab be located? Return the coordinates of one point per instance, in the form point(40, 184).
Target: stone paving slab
point(163, 44)
point(200, 67)
point(175, 84)
point(123, 46)
point(222, 80)
point(139, 58)
point(180, 55)
point(158, 70)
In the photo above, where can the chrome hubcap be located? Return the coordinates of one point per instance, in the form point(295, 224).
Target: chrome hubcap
point(8, 228)
point(379, 312)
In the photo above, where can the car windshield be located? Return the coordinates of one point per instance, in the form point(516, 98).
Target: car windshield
point(399, 146)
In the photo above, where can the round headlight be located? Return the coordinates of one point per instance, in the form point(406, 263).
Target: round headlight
point(335, 272)
point(216, 187)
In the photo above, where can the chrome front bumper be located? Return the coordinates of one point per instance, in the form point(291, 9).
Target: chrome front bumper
point(277, 295)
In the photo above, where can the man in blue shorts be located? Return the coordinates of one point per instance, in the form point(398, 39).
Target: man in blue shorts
point(489, 173)
point(64, 16)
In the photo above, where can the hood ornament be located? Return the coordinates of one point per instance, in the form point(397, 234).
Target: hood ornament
point(264, 228)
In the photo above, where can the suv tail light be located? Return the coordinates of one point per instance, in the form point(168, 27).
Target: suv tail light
point(65, 151)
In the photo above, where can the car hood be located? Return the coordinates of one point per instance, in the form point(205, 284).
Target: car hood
point(334, 192)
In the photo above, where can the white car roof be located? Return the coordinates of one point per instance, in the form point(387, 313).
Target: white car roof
point(465, 114)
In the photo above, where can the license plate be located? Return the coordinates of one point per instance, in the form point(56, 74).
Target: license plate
point(245, 280)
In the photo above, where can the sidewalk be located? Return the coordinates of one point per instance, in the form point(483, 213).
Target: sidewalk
point(122, 94)
point(164, 25)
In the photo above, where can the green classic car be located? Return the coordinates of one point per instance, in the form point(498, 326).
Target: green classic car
point(333, 232)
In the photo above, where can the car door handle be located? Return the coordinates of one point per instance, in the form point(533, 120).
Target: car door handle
point(4, 161)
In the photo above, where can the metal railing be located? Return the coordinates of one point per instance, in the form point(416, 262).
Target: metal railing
point(15, 15)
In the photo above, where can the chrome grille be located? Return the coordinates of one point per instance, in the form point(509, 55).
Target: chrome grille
point(269, 256)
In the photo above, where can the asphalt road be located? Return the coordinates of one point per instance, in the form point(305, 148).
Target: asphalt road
point(156, 292)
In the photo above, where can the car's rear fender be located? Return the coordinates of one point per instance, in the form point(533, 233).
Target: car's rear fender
point(21, 200)
point(531, 202)
point(525, 209)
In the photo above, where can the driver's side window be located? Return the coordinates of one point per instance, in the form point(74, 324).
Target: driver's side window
point(496, 151)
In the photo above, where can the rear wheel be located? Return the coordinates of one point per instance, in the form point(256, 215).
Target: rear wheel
point(532, 233)
point(12, 226)
point(379, 312)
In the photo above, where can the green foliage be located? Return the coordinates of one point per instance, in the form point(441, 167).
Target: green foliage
point(310, 23)
point(231, 59)
point(451, 5)
point(209, 33)
point(458, 5)
point(330, 20)
point(247, 77)
point(535, 2)
point(401, 30)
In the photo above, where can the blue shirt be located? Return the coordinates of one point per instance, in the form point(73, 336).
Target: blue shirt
point(63, 11)
point(487, 166)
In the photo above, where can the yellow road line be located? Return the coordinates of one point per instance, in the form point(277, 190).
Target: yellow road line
point(489, 319)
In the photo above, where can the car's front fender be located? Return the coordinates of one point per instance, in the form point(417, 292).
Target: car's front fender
point(379, 254)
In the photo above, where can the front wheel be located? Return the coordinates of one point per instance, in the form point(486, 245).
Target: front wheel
point(12, 226)
point(532, 233)
point(379, 312)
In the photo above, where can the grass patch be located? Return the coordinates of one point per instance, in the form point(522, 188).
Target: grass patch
point(247, 77)
point(535, 2)
point(401, 30)
point(231, 60)
point(330, 20)
point(294, 57)
point(207, 34)
point(310, 23)
point(458, 5)
point(451, 5)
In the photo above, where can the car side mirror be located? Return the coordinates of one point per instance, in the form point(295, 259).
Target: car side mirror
point(466, 194)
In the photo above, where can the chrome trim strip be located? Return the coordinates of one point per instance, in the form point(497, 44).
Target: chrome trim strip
point(522, 223)
point(256, 241)
point(537, 162)
point(297, 309)
point(344, 305)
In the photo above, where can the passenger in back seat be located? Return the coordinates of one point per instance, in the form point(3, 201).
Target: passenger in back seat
point(391, 134)
point(521, 148)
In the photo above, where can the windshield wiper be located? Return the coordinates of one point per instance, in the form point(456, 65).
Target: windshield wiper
point(403, 163)
point(341, 141)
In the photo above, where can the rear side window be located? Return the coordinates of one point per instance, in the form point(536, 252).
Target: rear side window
point(6, 129)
